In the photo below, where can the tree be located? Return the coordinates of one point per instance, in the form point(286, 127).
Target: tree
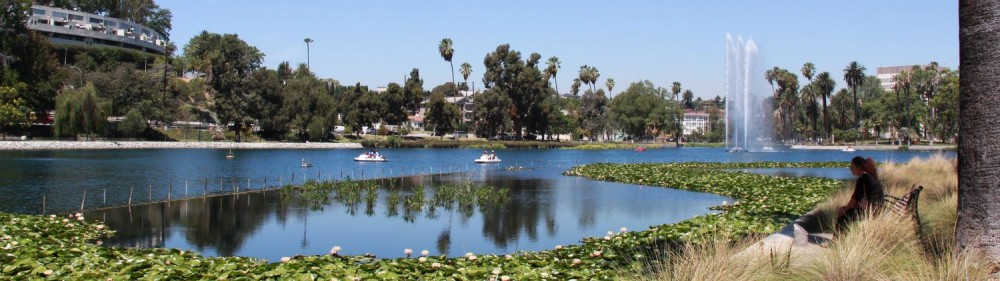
point(134, 124)
point(308, 41)
point(466, 70)
point(588, 75)
point(593, 119)
point(979, 61)
point(441, 115)
point(80, 111)
point(675, 89)
point(903, 80)
point(522, 82)
point(363, 110)
point(825, 85)
point(575, 88)
point(854, 75)
point(228, 62)
point(492, 112)
point(551, 69)
point(413, 91)
point(610, 83)
point(810, 93)
point(639, 110)
point(395, 105)
point(13, 113)
point(808, 69)
point(688, 98)
point(447, 52)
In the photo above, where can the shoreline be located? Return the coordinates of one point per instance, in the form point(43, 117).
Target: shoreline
point(96, 145)
point(874, 147)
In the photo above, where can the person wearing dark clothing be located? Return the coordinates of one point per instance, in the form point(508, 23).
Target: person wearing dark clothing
point(868, 193)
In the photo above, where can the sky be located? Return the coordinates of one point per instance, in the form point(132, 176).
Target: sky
point(378, 42)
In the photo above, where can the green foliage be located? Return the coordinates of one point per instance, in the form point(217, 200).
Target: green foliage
point(229, 62)
point(13, 113)
point(441, 115)
point(80, 111)
point(491, 111)
point(640, 110)
point(134, 124)
point(593, 114)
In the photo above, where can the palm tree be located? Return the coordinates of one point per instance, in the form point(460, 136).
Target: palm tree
point(308, 41)
point(810, 94)
point(854, 75)
point(979, 62)
point(575, 88)
point(903, 80)
point(807, 71)
point(466, 70)
point(676, 90)
point(447, 52)
point(589, 75)
point(551, 69)
point(771, 75)
point(825, 86)
point(610, 83)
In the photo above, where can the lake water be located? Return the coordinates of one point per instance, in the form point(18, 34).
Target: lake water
point(545, 209)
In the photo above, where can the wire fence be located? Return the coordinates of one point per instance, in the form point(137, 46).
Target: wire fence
point(83, 199)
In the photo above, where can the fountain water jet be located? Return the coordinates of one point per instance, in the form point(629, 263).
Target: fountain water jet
point(748, 122)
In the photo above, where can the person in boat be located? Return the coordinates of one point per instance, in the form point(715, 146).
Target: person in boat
point(485, 154)
point(493, 154)
point(868, 193)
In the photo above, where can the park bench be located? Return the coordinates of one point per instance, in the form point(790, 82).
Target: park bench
point(906, 204)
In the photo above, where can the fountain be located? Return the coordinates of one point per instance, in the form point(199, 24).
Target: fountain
point(748, 118)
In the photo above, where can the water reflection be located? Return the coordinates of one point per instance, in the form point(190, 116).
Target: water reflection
point(541, 209)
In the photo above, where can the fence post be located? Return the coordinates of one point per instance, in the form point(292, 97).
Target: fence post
point(43, 204)
point(130, 189)
point(248, 184)
point(265, 182)
point(205, 191)
point(150, 193)
point(84, 200)
point(170, 190)
point(185, 188)
point(104, 197)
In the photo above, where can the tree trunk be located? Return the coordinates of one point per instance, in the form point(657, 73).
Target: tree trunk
point(978, 225)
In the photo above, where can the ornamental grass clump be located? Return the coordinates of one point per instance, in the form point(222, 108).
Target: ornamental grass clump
point(718, 258)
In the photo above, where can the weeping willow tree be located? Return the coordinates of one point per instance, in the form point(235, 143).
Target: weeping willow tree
point(80, 111)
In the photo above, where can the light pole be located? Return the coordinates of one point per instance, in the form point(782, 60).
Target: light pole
point(79, 78)
point(308, 40)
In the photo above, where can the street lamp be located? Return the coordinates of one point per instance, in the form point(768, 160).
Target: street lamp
point(79, 78)
point(308, 40)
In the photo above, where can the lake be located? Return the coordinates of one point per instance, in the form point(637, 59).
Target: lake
point(545, 208)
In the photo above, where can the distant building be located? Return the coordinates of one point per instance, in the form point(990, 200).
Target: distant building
point(696, 120)
point(885, 74)
point(70, 27)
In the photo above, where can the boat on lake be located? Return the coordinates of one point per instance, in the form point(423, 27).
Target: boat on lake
point(370, 158)
point(848, 149)
point(306, 164)
point(487, 158)
point(230, 155)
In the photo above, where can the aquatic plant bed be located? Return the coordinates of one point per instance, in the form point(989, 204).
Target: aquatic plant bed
point(766, 203)
point(68, 247)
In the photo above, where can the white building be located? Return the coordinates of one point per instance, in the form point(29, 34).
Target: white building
point(695, 120)
point(885, 74)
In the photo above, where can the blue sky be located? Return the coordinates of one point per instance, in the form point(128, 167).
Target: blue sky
point(378, 42)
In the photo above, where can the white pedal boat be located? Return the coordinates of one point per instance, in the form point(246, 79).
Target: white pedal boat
point(485, 159)
point(366, 158)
